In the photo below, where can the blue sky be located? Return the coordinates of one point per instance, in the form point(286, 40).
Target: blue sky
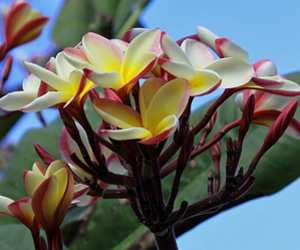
point(267, 30)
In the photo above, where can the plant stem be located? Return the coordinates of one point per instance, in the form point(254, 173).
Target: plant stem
point(167, 241)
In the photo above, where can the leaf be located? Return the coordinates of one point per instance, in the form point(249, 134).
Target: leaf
point(15, 237)
point(72, 22)
point(110, 18)
point(7, 123)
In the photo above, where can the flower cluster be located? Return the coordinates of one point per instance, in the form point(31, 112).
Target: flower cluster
point(142, 88)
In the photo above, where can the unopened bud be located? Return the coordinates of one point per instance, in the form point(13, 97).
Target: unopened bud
point(45, 156)
point(277, 129)
point(247, 116)
point(7, 68)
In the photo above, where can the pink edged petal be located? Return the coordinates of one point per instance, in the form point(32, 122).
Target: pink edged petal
point(233, 71)
point(147, 91)
point(80, 190)
point(207, 37)
point(114, 165)
point(50, 99)
point(197, 53)
point(15, 18)
point(4, 203)
point(240, 100)
point(121, 44)
point(77, 58)
point(62, 67)
point(79, 86)
point(111, 79)
point(16, 100)
point(39, 168)
point(101, 52)
point(129, 134)
point(47, 76)
point(179, 69)
point(31, 83)
point(112, 95)
point(268, 117)
point(32, 181)
point(133, 33)
point(172, 50)
point(140, 68)
point(31, 30)
point(52, 199)
point(23, 212)
point(165, 128)
point(143, 49)
point(274, 84)
point(293, 129)
point(68, 146)
point(86, 200)
point(167, 123)
point(79, 172)
point(44, 203)
point(270, 101)
point(116, 113)
point(170, 99)
point(204, 82)
point(227, 48)
point(265, 68)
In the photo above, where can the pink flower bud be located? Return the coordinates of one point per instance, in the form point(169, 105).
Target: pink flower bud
point(22, 24)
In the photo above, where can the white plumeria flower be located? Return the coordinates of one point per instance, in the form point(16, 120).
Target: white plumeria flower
point(58, 83)
point(194, 62)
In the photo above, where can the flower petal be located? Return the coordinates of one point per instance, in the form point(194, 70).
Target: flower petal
point(204, 82)
point(265, 68)
point(197, 53)
point(227, 48)
point(132, 133)
point(164, 129)
point(111, 79)
point(233, 71)
point(116, 113)
point(47, 76)
point(102, 52)
point(170, 99)
point(47, 100)
point(173, 50)
point(140, 53)
point(176, 68)
point(4, 203)
point(16, 100)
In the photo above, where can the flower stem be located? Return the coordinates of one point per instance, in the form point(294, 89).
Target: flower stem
point(167, 241)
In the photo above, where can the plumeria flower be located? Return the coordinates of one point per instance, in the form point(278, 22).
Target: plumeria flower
point(58, 83)
point(265, 76)
point(194, 62)
point(22, 25)
point(18, 99)
point(21, 210)
point(161, 104)
point(51, 191)
point(224, 47)
point(268, 106)
point(107, 65)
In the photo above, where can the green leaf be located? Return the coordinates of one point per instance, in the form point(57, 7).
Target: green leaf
point(127, 14)
point(15, 237)
point(110, 18)
point(73, 22)
point(7, 123)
